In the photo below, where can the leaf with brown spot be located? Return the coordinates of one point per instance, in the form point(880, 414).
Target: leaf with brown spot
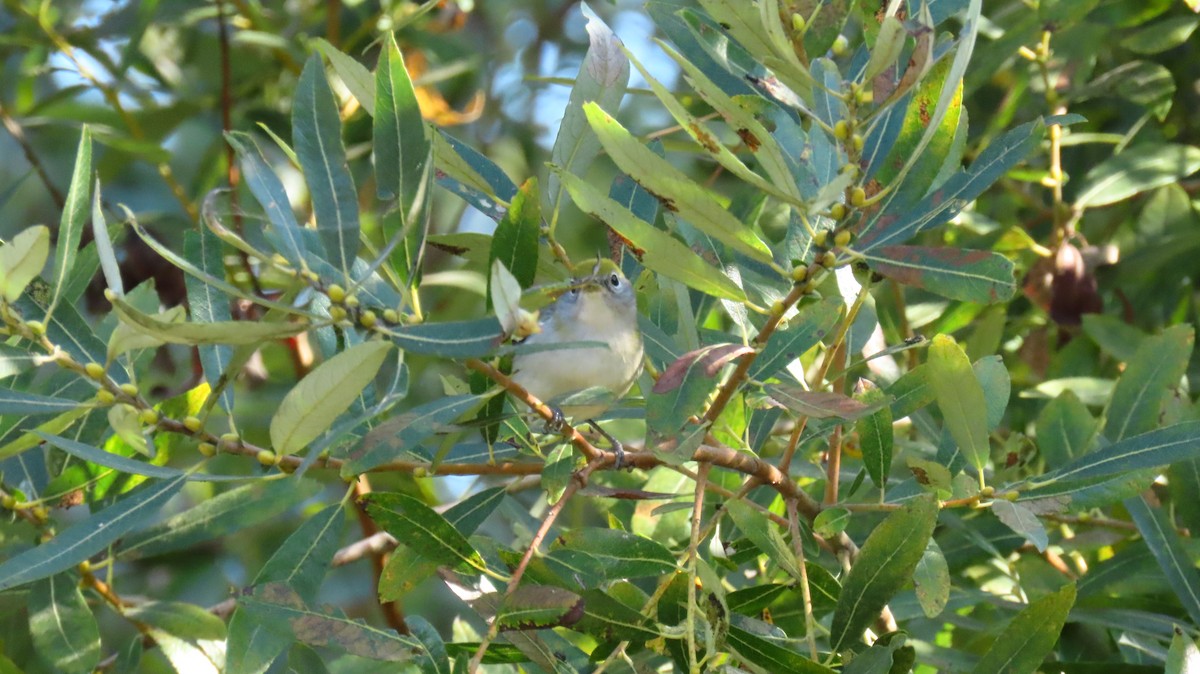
point(818, 404)
point(710, 358)
point(959, 274)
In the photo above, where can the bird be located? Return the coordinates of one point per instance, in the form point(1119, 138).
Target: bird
point(599, 307)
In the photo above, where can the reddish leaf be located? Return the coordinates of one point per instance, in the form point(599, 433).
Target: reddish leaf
point(710, 358)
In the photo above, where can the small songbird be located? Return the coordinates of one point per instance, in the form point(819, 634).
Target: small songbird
point(600, 307)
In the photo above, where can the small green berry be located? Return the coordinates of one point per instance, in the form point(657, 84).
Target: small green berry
point(336, 293)
point(798, 23)
point(351, 301)
point(840, 45)
point(130, 390)
point(857, 142)
point(266, 457)
point(837, 212)
point(38, 328)
point(8, 502)
point(338, 314)
point(858, 197)
point(192, 424)
point(821, 237)
point(842, 238)
point(828, 259)
point(799, 273)
point(94, 370)
point(105, 397)
point(367, 319)
point(1011, 495)
point(391, 316)
point(207, 449)
point(777, 308)
point(148, 417)
point(841, 130)
point(231, 439)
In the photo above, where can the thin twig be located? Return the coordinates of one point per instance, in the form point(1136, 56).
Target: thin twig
point(393, 613)
point(810, 623)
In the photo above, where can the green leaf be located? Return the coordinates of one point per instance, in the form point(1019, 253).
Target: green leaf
point(623, 554)
point(515, 242)
point(276, 605)
point(311, 407)
point(768, 657)
point(602, 78)
point(658, 251)
point(1031, 635)
point(127, 465)
point(1147, 382)
point(104, 245)
point(317, 135)
point(19, 402)
point(1022, 520)
point(876, 436)
point(209, 306)
point(403, 150)
point(609, 620)
point(400, 434)
point(1161, 35)
point(267, 188)
point(63, 627)
point(811, 324)
point(931, 580)
point(977, 276)
point(233, 333)
point(1065, 430)
point(354, 75)
point(677, 192)
point(1113, 335)
point(533, 607)
point(74, 217)
point(1183, 657)
point(1160, 536)
point(422, 529)
point(763, 534)
point(192, 638)
point(1136, 170)
point(886, 562)
point(87, 537)
point(434, 660)
point(22, 259)
point(458, 339)
point(304, 558)
point(831, 521)
point(225, 513)
point(960, 398)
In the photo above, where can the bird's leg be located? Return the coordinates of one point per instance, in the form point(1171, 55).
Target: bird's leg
point(555, 423)
point(617, 448)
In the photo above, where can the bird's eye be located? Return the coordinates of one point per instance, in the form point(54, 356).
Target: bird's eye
point(614, 281)
point(573, 291)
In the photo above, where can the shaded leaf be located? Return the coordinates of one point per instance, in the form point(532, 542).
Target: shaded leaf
point(709, 360)
point(63, 627)
point(1065, 429)
point(768, 657)
point(391, 439)
point(1160, 536)
point(74, 217)
point(817, 404)
point(763, 534)
point(931, 580)
point(1138, 169)
point(1019, 518)
point(623, 554)
point(515, 242)
point(1147, 382)
point(875, 434)
point(960, 398)
point(1031, 635)
point(422, 529)
point(231, 333)
point(805, 330)
point(20, 402)
point(402, 146)
point(267, 188)
point(458, 339)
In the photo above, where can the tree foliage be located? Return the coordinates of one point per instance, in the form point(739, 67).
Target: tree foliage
point(916, 284)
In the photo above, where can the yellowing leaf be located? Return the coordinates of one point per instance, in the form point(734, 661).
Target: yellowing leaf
point(22, 259)
point(312, 405)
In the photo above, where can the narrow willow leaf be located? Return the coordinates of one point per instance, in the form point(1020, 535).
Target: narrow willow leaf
point(602, 78)
point(677, 192)
point(422, 529)
point(268, 190)
point(435, 659)
point(624, 554)
point(19, 402)
point(1065, 430)
point(1022, 520)
point(402, 146)
point(768, 657)
point(104, 246)
point(74, 217)
point(472, 176)
point(931, 580)
point(1031, 635)
point(209, 306)
point(317, 135)
point(192, 638)
point(396, 436)
point(977, 276)
point(656, 249)
point(1160, 536)
point(960, 398)
point(817, 404)
point(533, 607)
point(304, 558)
point(89, 536)
point(763, 534)
point(607, 619)
point(354, 75)
point(223, 514)
point(310, 408)
point(22, 259)
point(875, 436)
point(945, 202)
point(515, 242)
point(1183, 657)
point(62, 625)
point(234, 333)
point(281, 608)
point(1159, 447)
point(885, 564)
point(808, 327)
point(888, 44)
point(459, 339)
point(505, 295)
point(251, 647)
point(1147, 382)
point(127, 465)
point(1138, 169)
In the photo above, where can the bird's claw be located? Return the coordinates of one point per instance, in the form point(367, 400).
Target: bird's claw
point(556, 421)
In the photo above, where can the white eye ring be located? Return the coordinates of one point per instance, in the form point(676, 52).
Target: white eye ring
point(614, 281)
point(573, 291)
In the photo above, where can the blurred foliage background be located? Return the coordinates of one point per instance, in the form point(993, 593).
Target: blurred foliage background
point(159, 81)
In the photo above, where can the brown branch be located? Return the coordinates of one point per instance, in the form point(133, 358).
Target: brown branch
point(18, 134)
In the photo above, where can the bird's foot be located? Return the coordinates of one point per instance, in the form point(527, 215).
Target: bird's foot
point(618, 449)
point(556, 422)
